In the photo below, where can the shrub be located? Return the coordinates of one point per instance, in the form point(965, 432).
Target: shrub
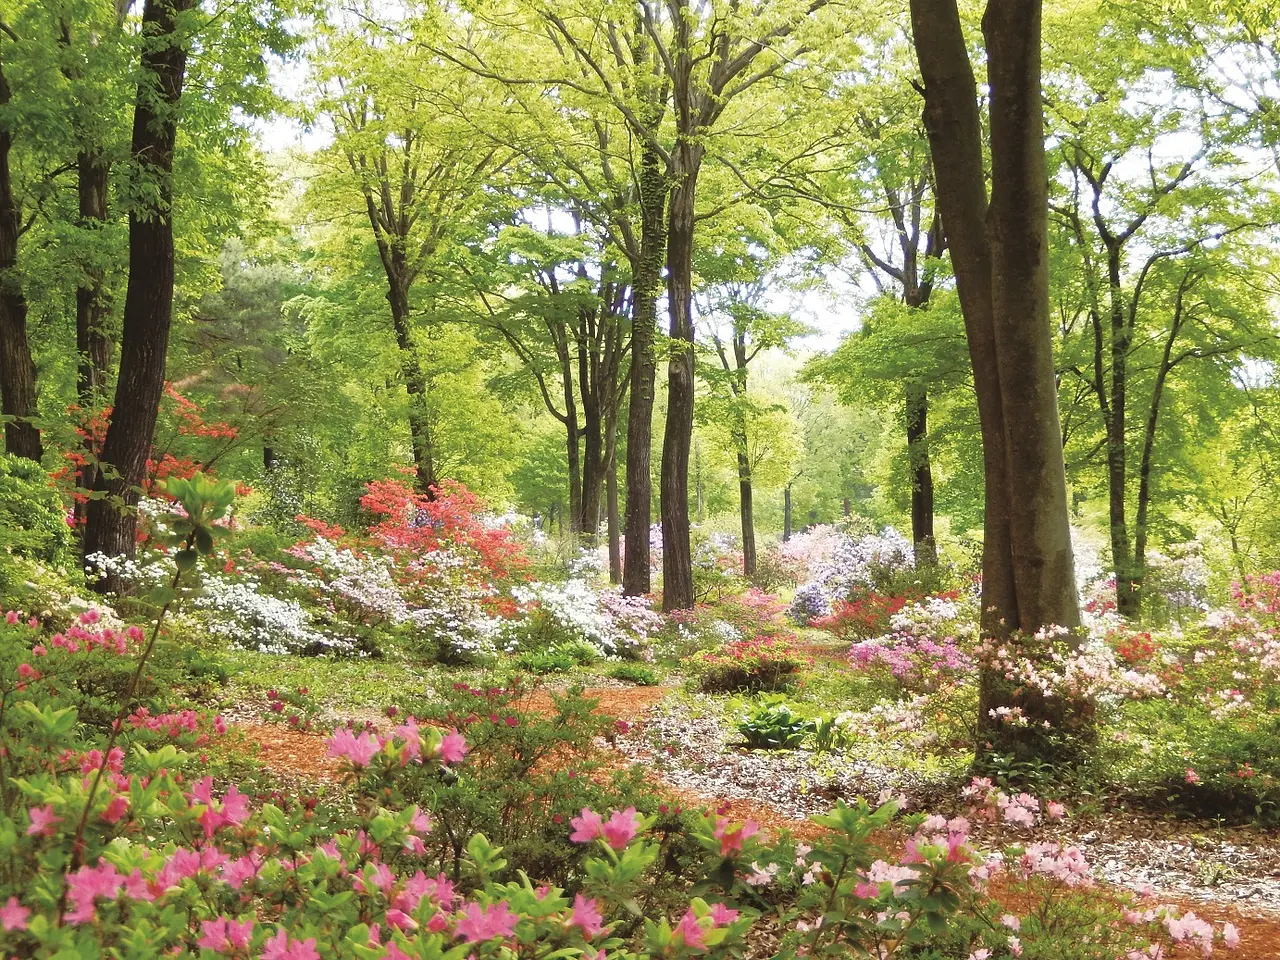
point(862, 617)
point(33, 521)
point(545, 661)
point(636, 673)
point(765, 663)
point(148, 862)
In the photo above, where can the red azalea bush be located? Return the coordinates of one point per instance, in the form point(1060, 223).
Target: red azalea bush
point(761, 663)
point(862, 617)
point(414, 525)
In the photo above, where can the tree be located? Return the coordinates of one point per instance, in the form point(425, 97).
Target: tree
point(740, 326)
point(415, 175)
point(17, 368)
point(558, 301)
point(1140, 233)
point(148, 309)
point(999, 253)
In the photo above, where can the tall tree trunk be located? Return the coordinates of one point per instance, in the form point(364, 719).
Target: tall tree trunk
point(926, 551)
point(786, 513)
point(1018, 233)
point(1149, 444)
point(1001, 280)
point(611, 495)
point(593, 445)
point(17, 368)
point(415, 380)
point(93, 346)
point(747, 516)
point(646, 285)
point(1117, 442)
point(111, 520)
point(677, 559)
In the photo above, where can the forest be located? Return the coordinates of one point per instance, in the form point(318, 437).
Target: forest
point(640, 479)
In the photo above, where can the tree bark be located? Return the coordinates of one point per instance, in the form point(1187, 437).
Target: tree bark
point(998, 257)
point(786, 513)
point(677, 559)
point(93, 346)
point(1018, 232)
point(415, 381)
point(148, 308)
point(645, 283)
point(17, 368)
point(922, 537)
point(747, 516)
point(611, 495)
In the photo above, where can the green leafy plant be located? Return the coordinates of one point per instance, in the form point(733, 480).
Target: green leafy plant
point(636, 673)
point(773, 725)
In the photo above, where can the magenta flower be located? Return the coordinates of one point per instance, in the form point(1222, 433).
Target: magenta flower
point(42, 821)
point(586, 916)
point(586, 827)
point(279, 948)
point(224, 935)
point(13, 915)
point(86, 885)
point(690, 932)
point(453, 747)
point(621, 828)
point(722, 915)
point(359, 750)
point(484, 923)
point(731, 838)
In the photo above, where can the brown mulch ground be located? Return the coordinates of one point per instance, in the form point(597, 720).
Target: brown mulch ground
point(624, 703)
point(297, 754)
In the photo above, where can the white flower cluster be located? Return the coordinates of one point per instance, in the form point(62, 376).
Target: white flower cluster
point(851, 564)
point(147, 572)
point(612, 627)
point(363, 582)
point(258, 621)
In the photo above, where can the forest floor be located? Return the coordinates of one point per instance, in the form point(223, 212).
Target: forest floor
point(1221, 874)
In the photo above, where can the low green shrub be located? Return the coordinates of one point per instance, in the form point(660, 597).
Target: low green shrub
point(636, 673)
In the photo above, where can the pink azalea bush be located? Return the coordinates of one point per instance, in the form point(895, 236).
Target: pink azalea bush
point(112, 847)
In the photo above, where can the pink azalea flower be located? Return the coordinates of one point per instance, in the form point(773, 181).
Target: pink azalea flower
point(731, 839)
point(279, 948)
point(586, 827)
point(116, 809)
point(1192, 776)
point(359, 750)
point(453, 747)
point(1230, 935)
point(586, 916)
point(484, 923)
point(87, 884)
point(42, 821)
point(136, 887)
point(621, 828)
point(1056, 810)
point(690, 933)
point(722, 915)
point(224, 935)
point(421, 822)
point(13, 916)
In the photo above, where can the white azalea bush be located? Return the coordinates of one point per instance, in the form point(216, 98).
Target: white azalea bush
point(573, 618)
